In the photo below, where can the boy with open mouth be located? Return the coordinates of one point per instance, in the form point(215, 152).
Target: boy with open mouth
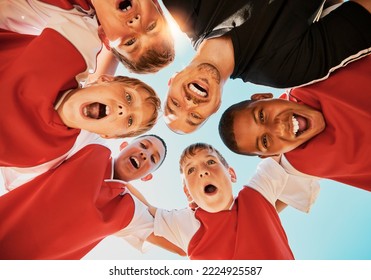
point(219, 225)
point(45, 114)
point(134, 32)
point(71, 208)
point(322, 130)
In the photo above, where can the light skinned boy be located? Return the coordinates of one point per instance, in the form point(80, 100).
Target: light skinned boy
point(65, 212)
point(262, 43)
point(136, 31)
point(322, 130)
point(44, 110)
point(221, 226)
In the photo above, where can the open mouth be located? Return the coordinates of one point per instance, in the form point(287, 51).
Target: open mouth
point(210, 189)
point(134, 162)
point(96, 111)
point(299, 124)
point(125, 5)
point(198, 90)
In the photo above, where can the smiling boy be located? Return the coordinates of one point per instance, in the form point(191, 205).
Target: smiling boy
point(71, 208)
point(44, 110)
point(322, 129)
point(273, 43)
point(136, 31)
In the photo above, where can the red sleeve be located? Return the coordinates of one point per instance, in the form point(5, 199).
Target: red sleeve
point(64, 213)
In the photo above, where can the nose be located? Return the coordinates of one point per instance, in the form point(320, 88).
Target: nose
point(277, 127)
point(203, 174)
point(189, 102)
point(135, 21)
point(120, 110)
point(143, 155)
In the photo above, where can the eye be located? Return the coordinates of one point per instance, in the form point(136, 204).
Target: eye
point(196, 116)
point(190, 170)
point(130, 42)
point(153, 159)
point(265, 141)
point(130, 121)
point(151, 26)
point(143, 146)
point(175, 102)
point(261, 116)
point(128, 97)
point(211, 162)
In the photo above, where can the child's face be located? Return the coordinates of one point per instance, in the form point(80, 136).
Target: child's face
point(194, 95)
point(139, 158)
point(208, 181)
point(132, 26)
point(110, 109)
point(273, 126)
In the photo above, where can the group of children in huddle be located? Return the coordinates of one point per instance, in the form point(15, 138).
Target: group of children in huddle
point(59, 106)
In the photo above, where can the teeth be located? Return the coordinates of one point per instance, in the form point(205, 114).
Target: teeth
point(295, 123)
point(108, 111)
point(196, 90)
point(135, 162)
point(85, 111)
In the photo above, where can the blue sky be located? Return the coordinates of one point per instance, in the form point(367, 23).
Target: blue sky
point(338, 226)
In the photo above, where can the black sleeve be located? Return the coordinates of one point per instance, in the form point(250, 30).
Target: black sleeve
point(335, 40)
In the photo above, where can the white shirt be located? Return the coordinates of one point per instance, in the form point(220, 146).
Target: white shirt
point(76, 25)
point(270, 179)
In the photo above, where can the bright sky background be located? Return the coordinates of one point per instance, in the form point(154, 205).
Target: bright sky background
point(338, 226)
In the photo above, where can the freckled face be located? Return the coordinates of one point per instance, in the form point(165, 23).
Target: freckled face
point(209, 182)
point(274, 126)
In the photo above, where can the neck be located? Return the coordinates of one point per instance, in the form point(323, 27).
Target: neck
point(218, 52)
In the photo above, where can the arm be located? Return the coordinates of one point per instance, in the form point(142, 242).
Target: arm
point(165, 244)
point(106, 64)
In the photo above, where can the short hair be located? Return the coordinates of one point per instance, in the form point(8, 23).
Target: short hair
point(191, 150)
point(161, 140)
point(152, 99)
point(226, 131)
point(151, 61)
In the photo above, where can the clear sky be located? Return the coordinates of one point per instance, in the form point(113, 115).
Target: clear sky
point(338, 226)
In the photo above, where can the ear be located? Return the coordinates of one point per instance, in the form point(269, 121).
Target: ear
point(105, 78)
point(102, 36)
point(171, 78)
point(233, 175)
point(186, 192)
point(147, 177)
point(260, 96)
point(123, 145)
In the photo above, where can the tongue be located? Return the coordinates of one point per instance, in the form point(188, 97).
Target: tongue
point(303, 125)
point(93, 110)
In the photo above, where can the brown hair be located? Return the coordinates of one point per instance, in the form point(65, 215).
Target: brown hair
point(225, 127)
point(191, 150)
point(150, 61)
point(152, 99)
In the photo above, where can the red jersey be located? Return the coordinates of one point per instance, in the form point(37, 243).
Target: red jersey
point(34, 72)
point(342, 152)
point(65, 212)
point(250, 230)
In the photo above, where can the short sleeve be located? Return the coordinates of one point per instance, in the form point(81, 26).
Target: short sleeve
point(177, 226)
point(139, 228)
